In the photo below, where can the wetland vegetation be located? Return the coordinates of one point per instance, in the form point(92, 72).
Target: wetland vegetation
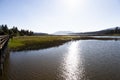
point(37, 42)
point(40, 42)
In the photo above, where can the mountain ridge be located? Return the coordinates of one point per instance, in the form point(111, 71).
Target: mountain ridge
point(62, 32)
point(109, 31)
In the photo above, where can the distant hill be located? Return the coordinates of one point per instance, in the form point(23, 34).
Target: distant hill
point(110, 31)
point(62, 33)
point(40, 34)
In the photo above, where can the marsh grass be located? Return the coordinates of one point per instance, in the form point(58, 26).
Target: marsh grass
point(36, 42)
point(40, 42)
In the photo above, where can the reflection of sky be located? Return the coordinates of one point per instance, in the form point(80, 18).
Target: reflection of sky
point(72, 68)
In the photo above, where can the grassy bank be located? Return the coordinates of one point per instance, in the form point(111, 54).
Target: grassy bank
point(39, 42)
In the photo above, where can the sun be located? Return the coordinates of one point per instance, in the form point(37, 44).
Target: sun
point(72, 4)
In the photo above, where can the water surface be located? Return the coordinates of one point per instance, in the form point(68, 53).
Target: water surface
point(75, 60)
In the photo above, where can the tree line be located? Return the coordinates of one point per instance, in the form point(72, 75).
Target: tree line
point(4, 30)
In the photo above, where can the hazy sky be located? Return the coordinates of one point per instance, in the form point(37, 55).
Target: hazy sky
point(60, 15)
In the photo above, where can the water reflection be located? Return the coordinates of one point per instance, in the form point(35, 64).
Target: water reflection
point(72, 67)
point(79, 60)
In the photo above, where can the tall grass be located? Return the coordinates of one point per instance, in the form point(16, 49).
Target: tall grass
point(36, 42)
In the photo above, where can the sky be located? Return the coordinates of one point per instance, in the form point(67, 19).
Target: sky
point(49, 16)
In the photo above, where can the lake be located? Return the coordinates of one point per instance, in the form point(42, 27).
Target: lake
point(75, 60)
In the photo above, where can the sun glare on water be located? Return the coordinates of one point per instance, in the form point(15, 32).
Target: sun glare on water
point(72, 65)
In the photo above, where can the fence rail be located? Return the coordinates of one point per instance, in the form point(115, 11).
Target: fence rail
point(3, 40)
point(3, 51)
